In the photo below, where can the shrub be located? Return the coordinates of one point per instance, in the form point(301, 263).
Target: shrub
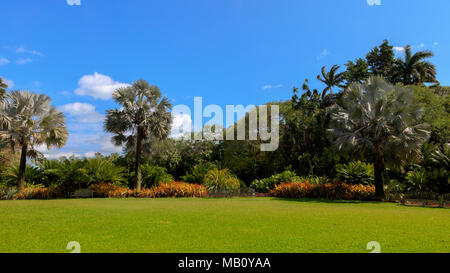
point(101, 170)
point(355, 172)
point(267, 184)
point(416, 180)
point(154, 175)
point(173, 189)
point(110, 190)
point(198, 172)
point(33, 175)
point(336, 190)
point(38, 193)
point(219, 180)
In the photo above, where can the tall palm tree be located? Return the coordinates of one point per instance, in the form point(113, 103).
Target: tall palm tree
point(380, 122)
point(144, 114)
point(414, 69)
point(331, 79)
point(30, 121)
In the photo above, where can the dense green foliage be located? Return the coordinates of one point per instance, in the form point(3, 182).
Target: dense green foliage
point(267, 184)
point(355, 172)
point(221, 180)
point(306, 148)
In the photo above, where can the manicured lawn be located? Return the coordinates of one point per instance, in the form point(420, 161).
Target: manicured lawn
point(220, 225)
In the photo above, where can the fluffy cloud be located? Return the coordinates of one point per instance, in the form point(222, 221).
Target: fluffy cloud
point(4, 61)
point(82, 112)
point(182, 124)
point(374, 2)
point(98, 86)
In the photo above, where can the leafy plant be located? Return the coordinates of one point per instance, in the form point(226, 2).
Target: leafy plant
point(416, 180)
point(198, 172)
point(355, 172)
point(154, 175)
point(33, 175)
point(216, 180)
point(267, 184)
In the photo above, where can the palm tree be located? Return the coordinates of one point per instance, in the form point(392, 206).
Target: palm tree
point(144, 114)
point(413, 69)
point(331, 79)
point(380, 122)
point(30, 121)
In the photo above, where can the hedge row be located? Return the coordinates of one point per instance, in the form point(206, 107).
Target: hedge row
point(173, 189)
point(335, 190)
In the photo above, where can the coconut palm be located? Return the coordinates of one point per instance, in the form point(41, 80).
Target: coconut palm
point(413, 69)
point(31, 121)
point(144, 114)
point(331, 79)
point(380, 122)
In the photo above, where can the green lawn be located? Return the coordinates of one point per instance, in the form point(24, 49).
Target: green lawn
point(220, 225)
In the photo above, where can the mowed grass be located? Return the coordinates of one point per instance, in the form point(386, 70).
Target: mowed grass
point(220, 225)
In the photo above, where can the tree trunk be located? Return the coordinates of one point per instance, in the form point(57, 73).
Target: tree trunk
point(22, 166)
point(378, 165)
point(138, 175)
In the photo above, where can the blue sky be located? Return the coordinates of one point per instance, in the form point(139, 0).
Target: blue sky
point(226, 51)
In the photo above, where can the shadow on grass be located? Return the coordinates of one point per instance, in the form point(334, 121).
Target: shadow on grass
point(328, 201)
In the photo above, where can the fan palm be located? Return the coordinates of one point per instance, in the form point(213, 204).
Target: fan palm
point(413, 69)
point(331, 79)
point(144, 114)
point(30, 120)
point(380, 122)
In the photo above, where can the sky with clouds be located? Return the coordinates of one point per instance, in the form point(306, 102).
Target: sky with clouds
point(226, 51)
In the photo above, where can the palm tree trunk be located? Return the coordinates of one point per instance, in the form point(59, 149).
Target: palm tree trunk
point(378, 171)
point(22, 166)
point(138, 175)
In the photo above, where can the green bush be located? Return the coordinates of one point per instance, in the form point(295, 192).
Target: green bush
point(268, 184)
point(355, 172)
point(219, 180)
point(101, 170)
point(198, 172)
point(33, 176)
point(154, 175)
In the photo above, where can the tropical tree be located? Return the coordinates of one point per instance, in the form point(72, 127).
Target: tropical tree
point(380, 122)
point(144, 114)
point(414, 69)
point(31, 121)
point(381, 61)
point(331, 79)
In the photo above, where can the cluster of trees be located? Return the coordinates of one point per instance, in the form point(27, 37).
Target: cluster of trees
point(379, 110)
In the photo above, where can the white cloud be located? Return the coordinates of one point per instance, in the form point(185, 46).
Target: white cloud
point(9, 83)
point(82, 112)
point(22, 49)
point(98, 86)
point(374, 2)
point(73, 2)
point(399, 48)
point(89, 154)
point(181, 125)
point(323, 54)
point(270, 86)
point(435, 43)
point(4, 61)
point(23, 61)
